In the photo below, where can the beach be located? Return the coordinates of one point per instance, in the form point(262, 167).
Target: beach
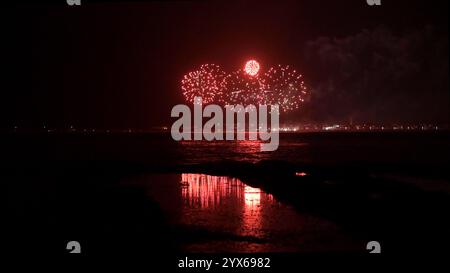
point(320, 193)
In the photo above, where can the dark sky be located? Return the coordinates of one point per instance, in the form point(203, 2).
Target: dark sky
point(119, 64)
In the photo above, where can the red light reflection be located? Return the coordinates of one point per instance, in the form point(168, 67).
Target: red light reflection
point(226, 195)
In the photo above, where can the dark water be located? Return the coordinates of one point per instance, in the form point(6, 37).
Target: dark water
point(418, 148)
point(320, 148)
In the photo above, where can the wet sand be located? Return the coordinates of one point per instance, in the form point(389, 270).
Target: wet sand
point(222, 214)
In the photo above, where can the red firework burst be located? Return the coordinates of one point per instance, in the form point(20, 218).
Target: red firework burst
point(207, 82)
point(284, 86)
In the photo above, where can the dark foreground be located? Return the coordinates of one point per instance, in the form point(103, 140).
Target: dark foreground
point(116, 195)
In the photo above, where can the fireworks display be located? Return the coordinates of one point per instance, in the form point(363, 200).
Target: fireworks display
point(207, 82)
point(242, 89)
point(280, 85)
point(251, 68)
point(284, 86)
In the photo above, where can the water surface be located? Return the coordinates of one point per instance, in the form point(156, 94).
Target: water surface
point(223, 214)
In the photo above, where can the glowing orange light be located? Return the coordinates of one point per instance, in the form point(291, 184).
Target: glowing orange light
point(300, 174)
point(251, 67)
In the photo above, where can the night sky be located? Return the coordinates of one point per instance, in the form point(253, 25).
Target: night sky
point(119, 64)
